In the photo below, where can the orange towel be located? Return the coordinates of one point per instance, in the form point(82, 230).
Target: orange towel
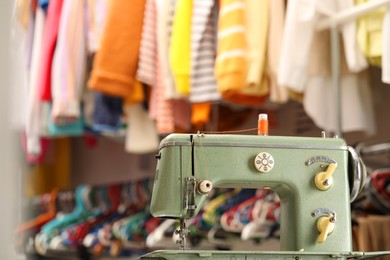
point(115, 63)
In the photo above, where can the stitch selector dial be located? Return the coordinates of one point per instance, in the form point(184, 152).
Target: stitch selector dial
point(264, 162)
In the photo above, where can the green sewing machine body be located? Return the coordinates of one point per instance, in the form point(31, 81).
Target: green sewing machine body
point(315, 179)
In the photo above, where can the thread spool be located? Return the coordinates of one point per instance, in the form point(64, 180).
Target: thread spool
point(262, 125)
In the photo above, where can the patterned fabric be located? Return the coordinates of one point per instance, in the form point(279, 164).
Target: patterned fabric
point(165, 14)
point(230, 66)
point(203, 52)
point(149, 72)
point(146, 71)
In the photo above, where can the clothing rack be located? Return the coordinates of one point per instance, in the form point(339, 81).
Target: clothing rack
point(333, 23)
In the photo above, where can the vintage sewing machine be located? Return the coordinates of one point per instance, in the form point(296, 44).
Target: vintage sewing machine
point(315, 178)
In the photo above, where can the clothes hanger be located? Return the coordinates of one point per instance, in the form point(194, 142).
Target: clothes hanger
point(210, 209)
point(54, 227)
point(157, 235)
point(265, 216)
point(134, 232)
point(126, 229)
point(31, 227)
point(109, 197)
point(99, 237)
point(258, 228)
point(235, 219)
point(220, 238)
point(37, 223)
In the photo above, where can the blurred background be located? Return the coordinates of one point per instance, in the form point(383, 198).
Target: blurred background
point(89, 88)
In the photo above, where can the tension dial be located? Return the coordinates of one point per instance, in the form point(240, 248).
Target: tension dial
point(264, 162)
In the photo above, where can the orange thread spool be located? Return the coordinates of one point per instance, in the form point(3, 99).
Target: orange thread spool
point(262, 125)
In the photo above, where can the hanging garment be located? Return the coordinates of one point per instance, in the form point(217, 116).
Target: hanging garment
point(22, 12)
point(180, 46)
point(69, 63)
point(115, 63)
point(137, 95)
point(357, 112)
point(278, 93)
point(30, 38)
point(200, 113)
point(305, 67)
point(141, 135)
point(301, 17)
point(386, 48)
point(97, 13)
point(74, 128)
point(107, 115)
point(230, 64)
point(165, 14)
point(161, 109)
point(150, 72)
point(18, 94)
point(49, 44)
point(44, 4)
point(203, 46)
point(88, 101)
point(242, 42)
point(33, 105)
point(369, 34)
point(256, 35)
point(146, 71)
point(35, 158)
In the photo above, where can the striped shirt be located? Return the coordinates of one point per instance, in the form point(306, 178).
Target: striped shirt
point(230, 66)
point(146, 71)
point(203, 52)
point(149, 72)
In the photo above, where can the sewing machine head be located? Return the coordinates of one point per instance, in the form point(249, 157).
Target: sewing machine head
point(315, 178)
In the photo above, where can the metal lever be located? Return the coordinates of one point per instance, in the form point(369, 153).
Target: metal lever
point(324, 180)
point(325, 224)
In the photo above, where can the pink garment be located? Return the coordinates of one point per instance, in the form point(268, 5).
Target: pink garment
point(164, 107)
point(49, 44)
point(146, 71)
point(69, 62)
point(149, 71)
point(33, 114)
point(35, 158)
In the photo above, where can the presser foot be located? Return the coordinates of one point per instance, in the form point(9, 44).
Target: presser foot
point(183, 233)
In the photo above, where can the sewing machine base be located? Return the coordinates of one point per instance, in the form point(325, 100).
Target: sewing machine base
point(252, 255)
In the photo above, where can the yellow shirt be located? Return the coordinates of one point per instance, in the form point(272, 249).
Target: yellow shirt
point(369, 34)
point(230, 65)
point(241, 55)
point(180, 48)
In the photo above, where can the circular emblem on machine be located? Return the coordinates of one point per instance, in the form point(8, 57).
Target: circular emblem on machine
point(264, 162)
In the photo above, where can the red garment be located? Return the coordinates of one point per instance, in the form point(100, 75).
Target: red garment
point(49, 44)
